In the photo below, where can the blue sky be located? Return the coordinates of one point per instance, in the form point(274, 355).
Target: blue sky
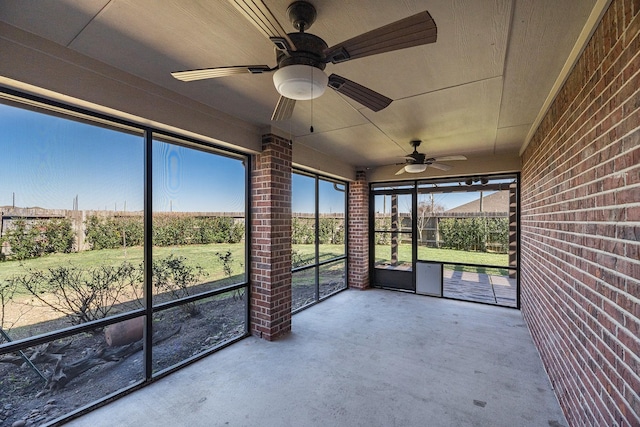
point(48, 161)
point(303, 198)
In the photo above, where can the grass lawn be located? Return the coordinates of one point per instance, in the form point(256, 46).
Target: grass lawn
point(202, 255)
point(383, 253)
point(306, 253)
point(452, 255)
point(206, 257)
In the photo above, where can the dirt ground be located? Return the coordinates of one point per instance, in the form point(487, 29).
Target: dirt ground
point(25, 399)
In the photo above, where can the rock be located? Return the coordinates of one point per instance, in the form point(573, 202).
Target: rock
point(47, 408)
point(51, 402)
point(19, 423)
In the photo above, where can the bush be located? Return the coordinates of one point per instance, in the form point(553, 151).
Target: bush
point(59, 235)
point(32, 239)
point(217, 230)
point(114, 232)
point(25, 240)
point(83, 295)
point(498, 234)
point(168, 230)
point(302, 231)
point(7, 291)
point(469, 234)
point(382, 226)
point(174, 276)
point(331, 231)
point(94, 293)
point(172, 230)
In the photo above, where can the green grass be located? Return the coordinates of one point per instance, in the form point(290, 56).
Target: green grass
point(205, 256)
point(326, 251)
point(202, 255)
point(383, 253)
point(452, 255)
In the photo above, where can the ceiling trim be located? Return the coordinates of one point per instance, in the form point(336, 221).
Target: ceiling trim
point(589, 28)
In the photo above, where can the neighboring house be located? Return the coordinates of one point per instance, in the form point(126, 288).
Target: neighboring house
point(494, 202)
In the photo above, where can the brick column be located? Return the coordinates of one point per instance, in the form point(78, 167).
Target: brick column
point(270, 277)
point(358, 244)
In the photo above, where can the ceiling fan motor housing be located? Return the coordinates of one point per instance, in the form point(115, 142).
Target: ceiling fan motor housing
point(309, 51)
point(301, 14)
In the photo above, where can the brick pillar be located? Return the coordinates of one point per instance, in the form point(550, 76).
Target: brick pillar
point(270, 277)
point(358, 244)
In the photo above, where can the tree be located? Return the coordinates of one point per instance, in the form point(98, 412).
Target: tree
point(426, 210)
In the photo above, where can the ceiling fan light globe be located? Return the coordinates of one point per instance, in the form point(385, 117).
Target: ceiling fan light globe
point(300, 82)
point(415, 168)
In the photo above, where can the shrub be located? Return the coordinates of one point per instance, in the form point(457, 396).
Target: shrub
point(32, 239)
point(7, 291)
point(174, 230)
point(298, 260)
point(302, 231)
point(83, 295)
point(168, 230)
point(382, 226)
point(473, 233)
point(219, 230)
point(174, 276)
point(331, 231)
point(25, 240)
point(59, 235)
point(114, 232)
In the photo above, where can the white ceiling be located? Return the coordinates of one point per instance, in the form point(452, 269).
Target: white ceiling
point(477, 91)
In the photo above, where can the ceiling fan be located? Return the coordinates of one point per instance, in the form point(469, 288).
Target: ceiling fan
point(418, 162)
point(302, 57)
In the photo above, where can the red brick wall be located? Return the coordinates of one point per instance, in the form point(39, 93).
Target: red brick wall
point(358, 243)
point(581, 229)
point(270, 274)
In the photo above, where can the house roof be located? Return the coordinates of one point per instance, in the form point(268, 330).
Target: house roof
point(495, 202)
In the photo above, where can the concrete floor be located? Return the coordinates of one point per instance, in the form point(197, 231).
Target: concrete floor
point(361, 358)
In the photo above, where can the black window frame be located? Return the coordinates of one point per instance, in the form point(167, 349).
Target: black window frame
point(42, 105)
point(317, 263)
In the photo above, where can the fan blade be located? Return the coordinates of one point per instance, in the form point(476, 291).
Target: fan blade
point(400, 172)
point(259, 15)
point(449, 158)
point(210, 73)
point(440, 166)
point(415, 30)
point(365, 96)
point(284, 108)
